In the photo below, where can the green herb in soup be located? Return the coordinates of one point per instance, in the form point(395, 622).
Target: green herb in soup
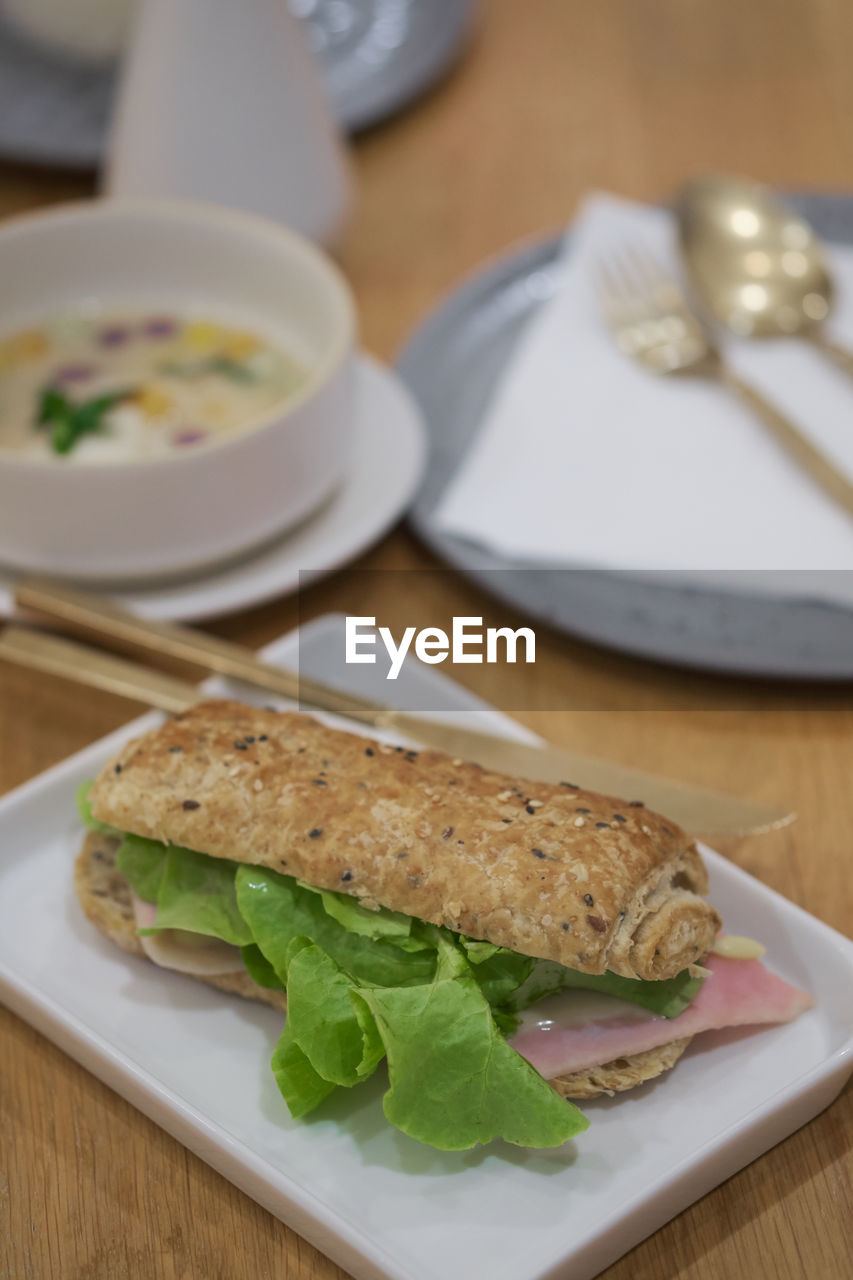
point(105, 388)
point(69, 421)
point(226, 366)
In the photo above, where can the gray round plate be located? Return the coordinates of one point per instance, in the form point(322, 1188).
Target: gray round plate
point(376, 55)
point(451, 364)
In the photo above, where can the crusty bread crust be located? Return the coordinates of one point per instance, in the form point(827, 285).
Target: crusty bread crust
point(105, 897)
point(622, 1073)
point(555, 872)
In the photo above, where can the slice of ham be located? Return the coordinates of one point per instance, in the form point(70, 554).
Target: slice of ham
point(183, 951)
point(737, 993)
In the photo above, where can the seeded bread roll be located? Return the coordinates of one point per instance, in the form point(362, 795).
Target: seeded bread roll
point(550, 871)
point(105, 898)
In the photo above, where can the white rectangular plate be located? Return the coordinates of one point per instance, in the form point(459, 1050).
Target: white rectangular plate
point(375, 1201)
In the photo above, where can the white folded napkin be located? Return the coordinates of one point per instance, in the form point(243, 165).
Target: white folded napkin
point(586, 460)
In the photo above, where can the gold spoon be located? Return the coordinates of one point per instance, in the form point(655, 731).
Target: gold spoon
point(758, 266)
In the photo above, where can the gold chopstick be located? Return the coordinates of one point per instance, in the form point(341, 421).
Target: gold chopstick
point(97, 618)
point(695, 808)
point(56, 657)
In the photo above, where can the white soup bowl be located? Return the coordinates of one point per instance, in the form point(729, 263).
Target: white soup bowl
point(134, 519)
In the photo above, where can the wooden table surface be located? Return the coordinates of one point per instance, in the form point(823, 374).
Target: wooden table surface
point(553, 97)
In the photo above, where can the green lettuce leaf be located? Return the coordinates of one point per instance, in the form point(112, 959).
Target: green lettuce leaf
point(260, 969)
point(478, 951)
point(277, 910)
point(84, 808)
point(501, 974)
point(455, 1082)
point(338, 1037)
point(143, 863)
point(300, 1085)
point(198, 893)
point(357, 919)
point(667, 999)
point(191, 890)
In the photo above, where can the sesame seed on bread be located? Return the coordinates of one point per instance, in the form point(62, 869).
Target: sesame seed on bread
point(485, 854)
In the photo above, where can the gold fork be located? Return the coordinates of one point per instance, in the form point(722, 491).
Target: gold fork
point(649, 317)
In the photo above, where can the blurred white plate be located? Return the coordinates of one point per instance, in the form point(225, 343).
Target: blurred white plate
point(388, 459)
point(378, 1203)
point(778, 625)
point(375, 55)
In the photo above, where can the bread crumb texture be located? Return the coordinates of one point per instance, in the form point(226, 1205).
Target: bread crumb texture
point(452, 843)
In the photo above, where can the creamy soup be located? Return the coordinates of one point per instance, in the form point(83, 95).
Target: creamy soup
point(110, 387)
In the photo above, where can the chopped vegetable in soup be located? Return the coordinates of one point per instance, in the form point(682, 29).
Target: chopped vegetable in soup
point(108, 388)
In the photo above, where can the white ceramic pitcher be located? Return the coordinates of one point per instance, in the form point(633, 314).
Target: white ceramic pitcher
point(221, 100)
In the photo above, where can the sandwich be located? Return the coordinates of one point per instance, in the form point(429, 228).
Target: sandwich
point(506, 946)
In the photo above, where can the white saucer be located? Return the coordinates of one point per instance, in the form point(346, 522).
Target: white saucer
point(389, 455)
